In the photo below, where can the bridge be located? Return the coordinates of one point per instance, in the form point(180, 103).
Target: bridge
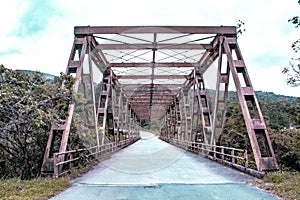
point(154, 169)
point(174, 77)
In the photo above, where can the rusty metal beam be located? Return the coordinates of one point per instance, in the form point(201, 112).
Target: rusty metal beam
point(209, 56)
point(149, 103)
point(87, 30)
point(150, 46)
point(166, 86)
point(165, 105)
point(157, 88)
point(155, 94)
point(134, 98)
point(177, 65)
point(147, 92)
point(154, 76)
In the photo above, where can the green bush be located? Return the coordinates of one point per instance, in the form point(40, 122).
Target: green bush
point(29, 104)
point(286, 145)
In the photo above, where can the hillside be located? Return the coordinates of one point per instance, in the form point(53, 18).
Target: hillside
point(262, 96)
point(270, 97)
point(46, 75)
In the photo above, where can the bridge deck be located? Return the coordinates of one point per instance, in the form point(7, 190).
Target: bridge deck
point(153, 169)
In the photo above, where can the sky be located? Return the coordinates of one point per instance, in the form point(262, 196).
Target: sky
point(38, 34)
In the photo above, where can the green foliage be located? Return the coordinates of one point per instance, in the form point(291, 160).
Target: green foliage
point(286, 145)
point(292, 71)
point(274, 177)
point(82, 133)
point(278, 116)
point(283, 184)
point(84, 168)
point(240, 28)
point(269, 97)
point(35, 189)
point(29, 105)
point(235, 132)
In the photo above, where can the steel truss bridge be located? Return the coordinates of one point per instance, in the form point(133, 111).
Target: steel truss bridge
point(177, 76)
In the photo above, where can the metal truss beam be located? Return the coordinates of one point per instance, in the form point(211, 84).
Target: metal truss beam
point(154, 97)
point(159, 64)
point(154, 101)
point(151, 46)
point(154, 77)
point(154, 86)
point(154, 89)
point(87, 30)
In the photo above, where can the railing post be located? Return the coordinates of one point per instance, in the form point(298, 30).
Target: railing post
point(232, 158)
point(201, 149)
point(222, 153)
point(71, 158)
point(215, 149)
point(55, 166)
point(98, 154)
point(246, 158)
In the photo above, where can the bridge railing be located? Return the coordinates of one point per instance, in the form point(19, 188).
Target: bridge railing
point(64, 161)
point(234, 157)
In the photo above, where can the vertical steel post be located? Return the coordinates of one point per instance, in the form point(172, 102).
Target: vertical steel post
point(203, 104)
point(220, 96)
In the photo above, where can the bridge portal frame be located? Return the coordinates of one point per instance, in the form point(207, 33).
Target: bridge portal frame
point(180, 119)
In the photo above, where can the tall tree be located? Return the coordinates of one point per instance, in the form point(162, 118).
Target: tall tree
point(29, 104)
point(293, 70)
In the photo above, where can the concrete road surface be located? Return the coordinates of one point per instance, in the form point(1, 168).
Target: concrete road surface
point(154, 169)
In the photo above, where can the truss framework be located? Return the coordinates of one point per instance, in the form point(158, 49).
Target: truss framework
point(126, 74)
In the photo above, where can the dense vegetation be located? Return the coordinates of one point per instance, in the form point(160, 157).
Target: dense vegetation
point(29, 104)
point(281, 113)
point(284, 184)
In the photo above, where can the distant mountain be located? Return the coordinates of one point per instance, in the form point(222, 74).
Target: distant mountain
point(272, 97)
point(262, 96)
point(46, 75)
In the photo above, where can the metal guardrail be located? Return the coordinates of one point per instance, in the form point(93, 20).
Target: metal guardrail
point(237, 158)
point(232, 156)
point(96, 152)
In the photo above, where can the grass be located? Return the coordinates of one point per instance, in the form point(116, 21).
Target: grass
point(40, 188)
point(284, 184)
point(35, 189)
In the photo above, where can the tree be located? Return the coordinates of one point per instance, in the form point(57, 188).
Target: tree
point(286, 144)
point(28, 106)
point(240, 28)
point(293, 70)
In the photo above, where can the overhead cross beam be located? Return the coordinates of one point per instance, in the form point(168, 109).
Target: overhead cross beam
point(87, 30)
point(160, 64)
point(143, 46)
point(153, 76)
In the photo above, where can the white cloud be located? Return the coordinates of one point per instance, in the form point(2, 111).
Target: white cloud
point(271, 79)
point(268, 34)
